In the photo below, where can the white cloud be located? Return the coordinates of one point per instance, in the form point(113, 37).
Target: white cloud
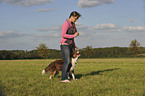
point(107, 27)
point(45, 10)
point(81, 26)
point(102, 26)
point(10, 34)
point(135, 29)
point(46, 36)
point(100, 35)
point(28, 2)
point(56, 28)
point(87, 3)
point(92, 3)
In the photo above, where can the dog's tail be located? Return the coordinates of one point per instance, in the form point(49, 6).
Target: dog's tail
point(43, 72)
point(47, 69)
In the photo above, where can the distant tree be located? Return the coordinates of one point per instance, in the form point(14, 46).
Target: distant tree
point(5, 55)
point(33, 54)
point(88, 51)
point(135, 47)
point(43, 50)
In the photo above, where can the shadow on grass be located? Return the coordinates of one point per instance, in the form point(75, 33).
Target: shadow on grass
point(143, 93)
point(78, 76)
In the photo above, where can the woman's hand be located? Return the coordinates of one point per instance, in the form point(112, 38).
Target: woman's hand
point(76, 48)
point(76, 34)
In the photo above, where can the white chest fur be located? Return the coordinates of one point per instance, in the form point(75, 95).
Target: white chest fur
point(74, 62)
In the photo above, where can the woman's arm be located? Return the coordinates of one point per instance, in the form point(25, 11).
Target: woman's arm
point(65, 27)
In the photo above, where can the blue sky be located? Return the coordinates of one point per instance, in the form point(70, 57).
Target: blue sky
point(24, 24)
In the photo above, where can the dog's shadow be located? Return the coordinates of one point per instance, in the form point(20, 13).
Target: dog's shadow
point(78, 76)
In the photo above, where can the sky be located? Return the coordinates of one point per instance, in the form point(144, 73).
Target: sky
point(24, 24)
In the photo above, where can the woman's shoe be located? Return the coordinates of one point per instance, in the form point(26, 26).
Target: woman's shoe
point(65, 81)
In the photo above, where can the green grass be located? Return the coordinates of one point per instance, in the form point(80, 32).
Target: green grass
point(96, 77)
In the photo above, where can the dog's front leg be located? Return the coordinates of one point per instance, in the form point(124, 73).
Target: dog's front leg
point(73, 75)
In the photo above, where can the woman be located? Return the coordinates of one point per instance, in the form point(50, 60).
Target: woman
point(67, 44)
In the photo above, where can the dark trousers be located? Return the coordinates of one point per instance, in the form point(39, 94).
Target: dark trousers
point(67, 54)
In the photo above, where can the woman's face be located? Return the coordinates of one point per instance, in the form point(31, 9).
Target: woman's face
point(74, 19)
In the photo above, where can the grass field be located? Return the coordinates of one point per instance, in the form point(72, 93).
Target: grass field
point(96, 77)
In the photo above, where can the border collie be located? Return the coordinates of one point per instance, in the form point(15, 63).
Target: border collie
point(56, 66)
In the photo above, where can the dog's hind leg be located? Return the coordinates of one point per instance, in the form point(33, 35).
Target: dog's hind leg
point(52, 74)
point(57, 72)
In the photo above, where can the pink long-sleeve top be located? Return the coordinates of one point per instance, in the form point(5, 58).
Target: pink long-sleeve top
point(68, 31)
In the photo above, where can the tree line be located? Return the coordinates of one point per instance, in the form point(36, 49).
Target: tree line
point(42, 52)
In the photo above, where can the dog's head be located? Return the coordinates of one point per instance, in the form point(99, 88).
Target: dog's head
point(76, 54)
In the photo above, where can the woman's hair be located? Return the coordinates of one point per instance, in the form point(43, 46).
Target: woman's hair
point(75, 14)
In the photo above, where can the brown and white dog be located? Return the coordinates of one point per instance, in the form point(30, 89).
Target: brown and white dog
point(56, 66)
